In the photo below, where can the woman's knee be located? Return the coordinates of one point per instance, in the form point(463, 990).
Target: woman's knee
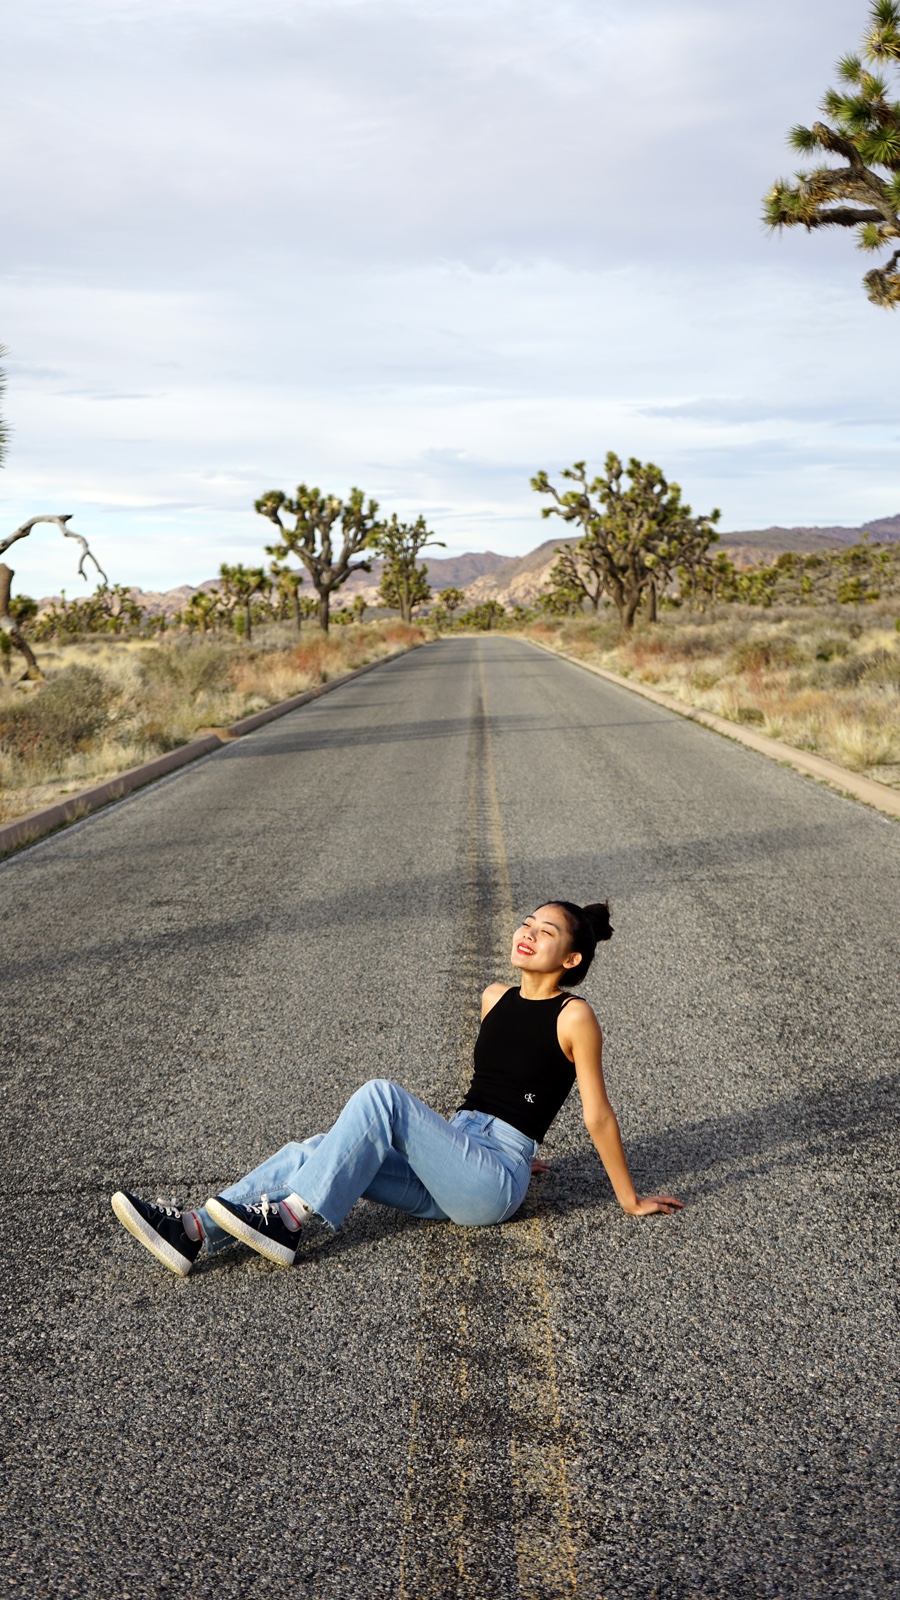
point(295, 1152)
point(381, 1091)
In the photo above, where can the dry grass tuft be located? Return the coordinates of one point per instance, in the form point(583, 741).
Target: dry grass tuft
point(825, 679)
point(111, 704)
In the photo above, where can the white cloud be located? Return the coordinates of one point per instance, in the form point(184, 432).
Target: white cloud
point(423, 247)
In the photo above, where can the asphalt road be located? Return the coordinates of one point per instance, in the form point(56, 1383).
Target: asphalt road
point(578, 1403)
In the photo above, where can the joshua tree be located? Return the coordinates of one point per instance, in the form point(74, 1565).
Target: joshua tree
point(577, 576)
point(566, 587)
point(241, 584)
point(403, 584)
point(288, 582)
point(202, 609)
point(8, 623)
point(864, 129)
point(634, 536)
point(451, 600)
point(316, 515)
point(483, 616)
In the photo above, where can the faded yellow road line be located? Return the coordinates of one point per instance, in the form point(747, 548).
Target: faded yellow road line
point(487, 1504)
point(540, 1474)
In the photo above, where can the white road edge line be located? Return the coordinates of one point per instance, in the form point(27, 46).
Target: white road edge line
point(21, 832)
point(874, 794)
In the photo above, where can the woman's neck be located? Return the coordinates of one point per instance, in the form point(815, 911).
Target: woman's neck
point(540, 985)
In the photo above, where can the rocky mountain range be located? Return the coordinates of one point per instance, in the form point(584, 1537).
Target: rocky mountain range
point(520, 582)
point(485, 575)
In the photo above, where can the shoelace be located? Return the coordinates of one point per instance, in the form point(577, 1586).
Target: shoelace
point(173, 1209)
point(263, 1206)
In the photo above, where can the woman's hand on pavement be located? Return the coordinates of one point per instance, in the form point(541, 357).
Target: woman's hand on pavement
point(540, 1166)
point(664, 1203)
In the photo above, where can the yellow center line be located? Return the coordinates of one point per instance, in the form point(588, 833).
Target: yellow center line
point(485, 1311)
point(539, 1472)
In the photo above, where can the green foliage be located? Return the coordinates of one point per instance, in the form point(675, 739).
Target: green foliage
point(404, 584)
point(58, 718)
point(107, 610)
point(23, 610)
point(572, 580)
point(483, 617)
point(316, 519)
point(287, 582)
point(565, 594)
point(861, 572)
point(203, 611)
point(864, 131)
point(636, 532)
point(704, 582)
point(451, 599)
point(239, 585)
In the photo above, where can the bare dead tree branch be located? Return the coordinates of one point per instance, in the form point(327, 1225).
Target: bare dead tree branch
point(68, 533)
point(8, 624)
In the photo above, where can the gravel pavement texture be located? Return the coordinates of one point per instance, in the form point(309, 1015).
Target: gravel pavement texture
point(575, 1404)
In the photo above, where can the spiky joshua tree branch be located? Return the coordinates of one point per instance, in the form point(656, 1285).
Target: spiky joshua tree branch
point(316, 516)
point(864, 130)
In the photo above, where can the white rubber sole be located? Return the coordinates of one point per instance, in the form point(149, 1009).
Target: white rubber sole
point(147, 1236)
point(279, 1253)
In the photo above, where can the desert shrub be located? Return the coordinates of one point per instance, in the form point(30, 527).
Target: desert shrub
point(59, 717)
point(882, 667)
point(702, 680)
point(758, 655)
point(190, 668)
point(689, 644)
point(832, 648)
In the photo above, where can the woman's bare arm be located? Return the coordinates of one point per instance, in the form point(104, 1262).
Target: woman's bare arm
point(582, 1040)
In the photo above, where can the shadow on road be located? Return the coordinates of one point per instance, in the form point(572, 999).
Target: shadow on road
point(671, 862)
point(716, 1153)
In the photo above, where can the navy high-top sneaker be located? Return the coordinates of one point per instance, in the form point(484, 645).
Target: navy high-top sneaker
point(260, 1226)
point(160, 1229)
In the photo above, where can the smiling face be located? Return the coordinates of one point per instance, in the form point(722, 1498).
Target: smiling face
point(543, 943)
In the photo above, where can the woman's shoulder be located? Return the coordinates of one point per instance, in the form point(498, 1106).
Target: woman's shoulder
point(578, 1012)
point(493, 993)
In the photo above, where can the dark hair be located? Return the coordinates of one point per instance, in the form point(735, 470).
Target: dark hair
point(588, 927)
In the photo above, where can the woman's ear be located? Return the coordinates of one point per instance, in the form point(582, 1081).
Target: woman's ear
point(573, 959)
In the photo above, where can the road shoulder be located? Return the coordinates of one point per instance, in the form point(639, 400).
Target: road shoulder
point(872, 793)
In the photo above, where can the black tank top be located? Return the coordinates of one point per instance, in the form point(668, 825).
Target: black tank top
point(521, 1074)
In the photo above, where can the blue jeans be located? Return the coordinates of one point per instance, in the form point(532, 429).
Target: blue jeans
point(389, 1147)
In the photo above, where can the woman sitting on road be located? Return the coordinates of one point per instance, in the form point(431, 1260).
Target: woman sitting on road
point(387, 1146)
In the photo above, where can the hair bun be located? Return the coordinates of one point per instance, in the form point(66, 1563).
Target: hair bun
point(598, 917)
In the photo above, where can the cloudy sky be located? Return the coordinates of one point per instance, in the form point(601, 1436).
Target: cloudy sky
point(425, 246)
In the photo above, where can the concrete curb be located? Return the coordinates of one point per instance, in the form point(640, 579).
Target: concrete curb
point(869, 790)
point(28, 829)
